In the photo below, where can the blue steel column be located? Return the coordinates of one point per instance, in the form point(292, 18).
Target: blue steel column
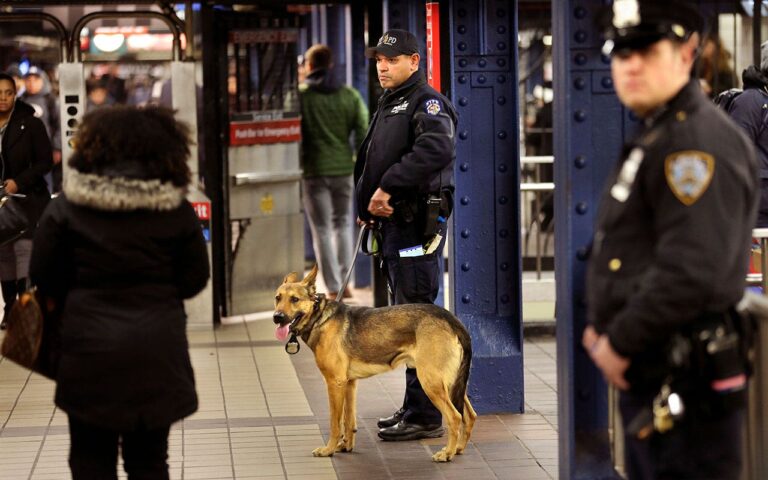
point(486, 266)
point(588, 124)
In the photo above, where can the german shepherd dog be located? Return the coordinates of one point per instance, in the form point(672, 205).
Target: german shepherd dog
point(351, 343)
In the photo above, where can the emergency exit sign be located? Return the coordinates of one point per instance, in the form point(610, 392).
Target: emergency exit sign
point(264, 132)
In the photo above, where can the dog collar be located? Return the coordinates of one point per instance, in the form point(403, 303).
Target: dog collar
point(292, 347)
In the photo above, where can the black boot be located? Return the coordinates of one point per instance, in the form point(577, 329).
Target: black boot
point(10, 290)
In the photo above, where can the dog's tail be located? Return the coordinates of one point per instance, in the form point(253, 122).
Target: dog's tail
point(459, 388)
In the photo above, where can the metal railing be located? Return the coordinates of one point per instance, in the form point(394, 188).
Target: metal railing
point(537, 187)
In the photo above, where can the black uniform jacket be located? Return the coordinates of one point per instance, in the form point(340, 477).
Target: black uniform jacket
point(26, 158)
point(409, 147)
point(123, 254)
point(678, 244)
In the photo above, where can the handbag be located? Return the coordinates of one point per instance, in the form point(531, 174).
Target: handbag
point(13, 219)
point(31, 338)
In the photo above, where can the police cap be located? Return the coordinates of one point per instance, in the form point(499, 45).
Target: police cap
point(635, 24)
point(394, 43)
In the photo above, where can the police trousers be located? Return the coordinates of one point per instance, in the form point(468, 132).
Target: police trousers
point(412, 280)
point(697, 448)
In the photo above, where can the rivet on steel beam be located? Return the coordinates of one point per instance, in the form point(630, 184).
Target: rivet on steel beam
point(501, 78)
point(502, 62)
point(481, 79)
point(504, 267)
point(580, 36)
point(581, 253)
point(463, 62)
point(465, 267)
point(464, 200)
point(462, 79)
point(462, 46)
point(463, 101)
point(464, 167)
point(503, 233)
point(503, 167)
point(463, 134)
point(580, 12)
point(501, 46)
point(607, 82)
point(461, 29)
point(580, 161)
point(580, 59)
point(501, 100)
point(465, 233)
point(581, 208)
point(580, 115)
point(461, 13)
point(465, 298)
point(579, 83)
point(482, 63)
point(501, 29)
point(502, 135)
point(503, 200)
point(501, 13)
point(606, 59)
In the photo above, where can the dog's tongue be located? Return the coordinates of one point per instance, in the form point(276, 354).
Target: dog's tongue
point(281, 333)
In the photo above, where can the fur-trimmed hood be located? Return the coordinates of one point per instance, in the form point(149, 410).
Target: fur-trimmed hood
point(121, 193)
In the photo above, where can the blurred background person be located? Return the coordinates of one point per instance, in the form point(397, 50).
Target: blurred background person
point(750, 111)
point(331, 114)
point(715, 71)
point(25, 157)
point(98, 95)
point(120, 250)
point(39, 95)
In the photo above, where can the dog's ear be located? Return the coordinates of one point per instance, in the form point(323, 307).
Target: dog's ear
point(309, 280)
point(292, 277)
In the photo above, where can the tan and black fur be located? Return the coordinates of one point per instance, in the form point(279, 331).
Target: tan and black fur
point(351, 343)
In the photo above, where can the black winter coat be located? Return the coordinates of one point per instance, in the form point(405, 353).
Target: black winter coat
point(122, 254)
point(673, 231)
point(410, 145)
point(750, 111)
point(26, 158)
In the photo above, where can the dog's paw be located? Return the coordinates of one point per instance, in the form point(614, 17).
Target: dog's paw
point(323, 452)
point(345, 446)
point(442, 456)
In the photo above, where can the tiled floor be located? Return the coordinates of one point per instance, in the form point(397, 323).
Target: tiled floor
point(263, 411)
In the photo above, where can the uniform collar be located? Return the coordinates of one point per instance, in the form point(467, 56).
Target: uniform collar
point(686, 100)
point(414, 81)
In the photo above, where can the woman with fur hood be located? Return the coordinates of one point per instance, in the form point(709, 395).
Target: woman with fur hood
point(119, 251)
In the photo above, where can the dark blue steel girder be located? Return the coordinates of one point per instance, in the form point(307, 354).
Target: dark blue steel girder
point(589, 124)
point(481, 80)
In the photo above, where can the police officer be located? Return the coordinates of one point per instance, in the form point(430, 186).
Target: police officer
point(404, 184)
point(671, 241)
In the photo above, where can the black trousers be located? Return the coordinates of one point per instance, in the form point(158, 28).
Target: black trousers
point(697, 448)
point(93, 452)
point(412, 280)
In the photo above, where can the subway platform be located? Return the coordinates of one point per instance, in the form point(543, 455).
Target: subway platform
point(262, 412)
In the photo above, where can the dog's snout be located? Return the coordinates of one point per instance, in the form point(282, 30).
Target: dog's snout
point(279, 317)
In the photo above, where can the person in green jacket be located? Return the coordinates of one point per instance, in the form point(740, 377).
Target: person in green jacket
point(334, 120)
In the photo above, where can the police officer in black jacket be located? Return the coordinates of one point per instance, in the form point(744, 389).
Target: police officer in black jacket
point(404, 185)
point(670, 249)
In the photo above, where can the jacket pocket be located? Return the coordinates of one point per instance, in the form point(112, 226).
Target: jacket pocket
point(419, 278)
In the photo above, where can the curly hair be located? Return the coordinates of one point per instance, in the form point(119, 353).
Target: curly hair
point(146, 143)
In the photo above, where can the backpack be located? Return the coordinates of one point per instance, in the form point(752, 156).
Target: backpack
point(725, 98)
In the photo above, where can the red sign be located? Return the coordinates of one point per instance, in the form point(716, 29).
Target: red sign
point(273, 131)
point(272, 35)
point(433, 45)
point(202, 209)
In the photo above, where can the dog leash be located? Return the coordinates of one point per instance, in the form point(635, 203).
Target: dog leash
point(340, 294)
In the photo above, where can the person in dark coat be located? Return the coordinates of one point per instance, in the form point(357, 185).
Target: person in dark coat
point(750, 111)
point(405, 161)
point(25, 158)
point(669, 255)
point(120, 250)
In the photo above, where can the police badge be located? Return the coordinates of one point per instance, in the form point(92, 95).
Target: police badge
point(432, 107)
point(688, 174)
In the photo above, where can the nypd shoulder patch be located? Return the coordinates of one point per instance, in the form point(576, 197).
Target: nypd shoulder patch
point(432, 106)
point(689, 174)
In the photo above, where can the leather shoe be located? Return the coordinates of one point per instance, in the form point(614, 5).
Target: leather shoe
point(410, 431)
point(391, 420)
